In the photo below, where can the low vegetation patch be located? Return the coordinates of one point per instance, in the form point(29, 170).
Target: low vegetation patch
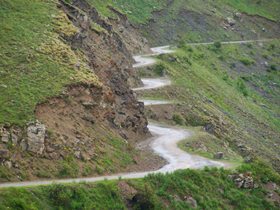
point(207, 145)
point(184, 189)
point(247, 61)
point(260, 7)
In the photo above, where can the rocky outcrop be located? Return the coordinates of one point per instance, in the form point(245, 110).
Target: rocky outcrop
point(230, 21)
point(111, 60)
point(134, 42)
point(127, 191)
point(245, 180)
point(191, 201)
point(5, 135)
point(219, 155)
point(4, 154)
point(34, 132)
point(36, 137)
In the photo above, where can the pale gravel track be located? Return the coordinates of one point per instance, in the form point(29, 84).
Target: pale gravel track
point(232, 42)
point(149, 102)
point(153, 83)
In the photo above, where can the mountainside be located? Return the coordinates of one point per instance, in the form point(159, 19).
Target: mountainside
point(72, 102)
point(70, 69)
point(222, 20)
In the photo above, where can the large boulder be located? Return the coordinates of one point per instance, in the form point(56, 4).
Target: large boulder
point(4, 154)
point(219, 155)
point(36, 137)
point(23, 144)
point(127, 191)
point(237, 15)
point(245, 180)
point(248, 182)
point(190, 200)
point(14, 138)
point(230, 21)
point(5, 135)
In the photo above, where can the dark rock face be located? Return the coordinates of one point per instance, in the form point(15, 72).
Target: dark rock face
point(5, 135)
point(4, 154)
point(111, 60)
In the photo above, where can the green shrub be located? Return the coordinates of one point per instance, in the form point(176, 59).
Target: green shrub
point(190, 49)
point(5, 173)
point(60, 195)
point(178, 119)
point(249, 45)
point(159, 70)
point(42, 173)
point(99, 169)
point(232, 65)
point(68, 169)
point(221, 57)
point(181, 44)
point(247, 61)
point(195, 120)
point(217, 45)
point(265, 56)
point(242, 87)
point(273, 67)
point(272, 47)
point(87, 170)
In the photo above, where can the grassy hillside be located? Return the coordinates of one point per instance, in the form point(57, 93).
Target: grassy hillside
point(138, 11)
point(200, 21)
point(35, 64)
point(210, 188)
point(141, 11)
point(267, 9)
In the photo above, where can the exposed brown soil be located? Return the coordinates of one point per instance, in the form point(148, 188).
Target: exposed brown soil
point(81, 123)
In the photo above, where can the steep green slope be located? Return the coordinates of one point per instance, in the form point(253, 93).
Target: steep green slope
point(267, 9)
point(200, 21)
point(138, 11)
point(35, 64)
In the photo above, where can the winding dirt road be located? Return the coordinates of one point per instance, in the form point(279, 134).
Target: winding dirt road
point(164, 143)
point(148, 102)
point(165, 139)
point(147, 60)
point(153, 83)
